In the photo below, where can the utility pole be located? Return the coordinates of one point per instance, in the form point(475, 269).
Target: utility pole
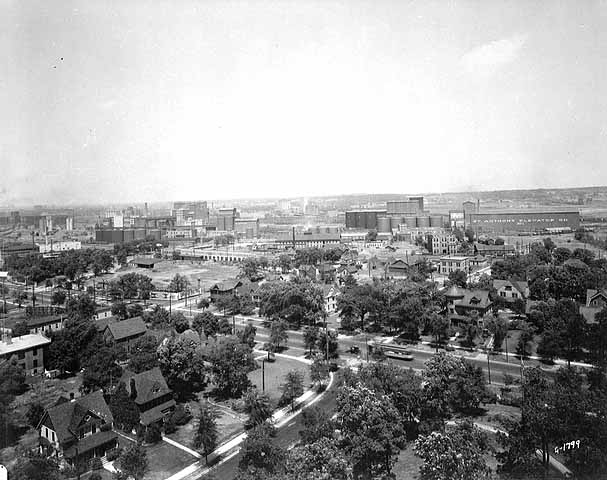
point(263, 375)
point(488, 366)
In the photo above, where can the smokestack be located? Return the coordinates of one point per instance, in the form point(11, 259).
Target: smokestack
point(293, 238)
point(478, 205)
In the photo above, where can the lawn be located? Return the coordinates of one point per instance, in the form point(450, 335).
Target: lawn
point(164, 460)
point(407, 465)
point(229, 423)
point(275, 373)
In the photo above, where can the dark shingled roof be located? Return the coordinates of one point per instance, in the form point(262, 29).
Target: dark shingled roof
point(226, 286)
point(157, 413)
point(149, 385)
point(66, 416)
point(90, 442)
point(128, 328)
point(38, 321)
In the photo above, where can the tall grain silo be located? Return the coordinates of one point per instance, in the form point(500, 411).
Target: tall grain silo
point(423, 222)
point(383, 224)
point(410, 222)
point(436, 221)
point(396, 221)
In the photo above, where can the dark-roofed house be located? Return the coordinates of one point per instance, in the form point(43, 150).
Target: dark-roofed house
point(511, 290)
point(150, 392)
point(461, 302)
point(78, 430)
point(145, 262)
point(249, 290)
point(596, 300)
point(125, 333)
point(224, 289)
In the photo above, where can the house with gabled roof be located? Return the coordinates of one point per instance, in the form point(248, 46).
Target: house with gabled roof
point(224, 289)
point(330, 294)
point(511, 290)
point(78, 429)
point(596, 300)
point(151, 394)
point(462, 302)
point(125, 332)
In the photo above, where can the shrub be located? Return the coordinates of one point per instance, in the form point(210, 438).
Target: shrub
point(169, 426)
point(113, 454)
point(181, 415)
point(95, 464)
point(95, 476)
point(153, 434)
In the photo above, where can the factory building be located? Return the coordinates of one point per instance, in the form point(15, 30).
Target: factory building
point(363, 219)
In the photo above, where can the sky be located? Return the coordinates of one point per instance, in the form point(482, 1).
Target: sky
point(131, 101)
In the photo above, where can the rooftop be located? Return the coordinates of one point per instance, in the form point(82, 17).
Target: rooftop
point(24, 342)
point(145, 261)
point(127, 328)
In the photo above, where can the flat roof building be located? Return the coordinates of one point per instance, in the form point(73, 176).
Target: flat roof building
point(27, 351)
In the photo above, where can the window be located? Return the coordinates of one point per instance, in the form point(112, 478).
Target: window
point(21, 355)
point(35, 363)
point(35, 352)
point(502, 294)
point(514, 295)
point(53, 436)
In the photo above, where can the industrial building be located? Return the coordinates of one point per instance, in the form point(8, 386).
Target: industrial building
point(247, 226)
point(523, 221)
point(125, 235)
point(363, 219)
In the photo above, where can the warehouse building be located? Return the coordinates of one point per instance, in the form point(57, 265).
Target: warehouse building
point(363, 219)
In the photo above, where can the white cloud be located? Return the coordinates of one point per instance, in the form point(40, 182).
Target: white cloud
point(489, 58)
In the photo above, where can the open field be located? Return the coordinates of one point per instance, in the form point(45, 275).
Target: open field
point(275, 374)
point(161, 275)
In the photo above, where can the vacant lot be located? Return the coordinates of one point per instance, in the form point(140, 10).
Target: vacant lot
point(161, 275)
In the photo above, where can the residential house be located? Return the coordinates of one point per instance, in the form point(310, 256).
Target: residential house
point(152, 395)
point(326, 272)
point(250, 290)
point(309, 271)
point(224, 289)
point(102, 312)
point(511, 290)
point(330, 294)
point(462, 302)
point(596, 300)
point(125, 332)
point(26, 351)
point(78, 429)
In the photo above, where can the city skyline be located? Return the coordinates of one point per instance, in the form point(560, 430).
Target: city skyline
point(157, 101)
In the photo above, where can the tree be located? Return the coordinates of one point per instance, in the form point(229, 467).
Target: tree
point(34, 414)
point(319, 370)
point(100, 369)
point(143, 354)
point(469, 233)
point(320, 460)
point(152, 434)
point(439, 326)
point(134, 310)
point(247, 336)
point(133, 461)
point(525, 341)
point(231, 362)
point(458, 277)
point(454, 455)
point(278, 334)
point(259, 453)
point(20, 329)
point(58, 297)
point(179, 322)
point(333, 346)
point(207, 434)
point(258, 406)
point(317, 424)
point(178, 283)
point(12, 379)
point(598, 339)
point(292, 388)
point(498, 327)
point(68, 347)
point(124, 409)
point(310, 337)
point(159, 318)
point(285, 263)
point(81, 307)
point(560, 255)
point(371, 429)
point(182, 365)
point(119, 310)
point(35, 467)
